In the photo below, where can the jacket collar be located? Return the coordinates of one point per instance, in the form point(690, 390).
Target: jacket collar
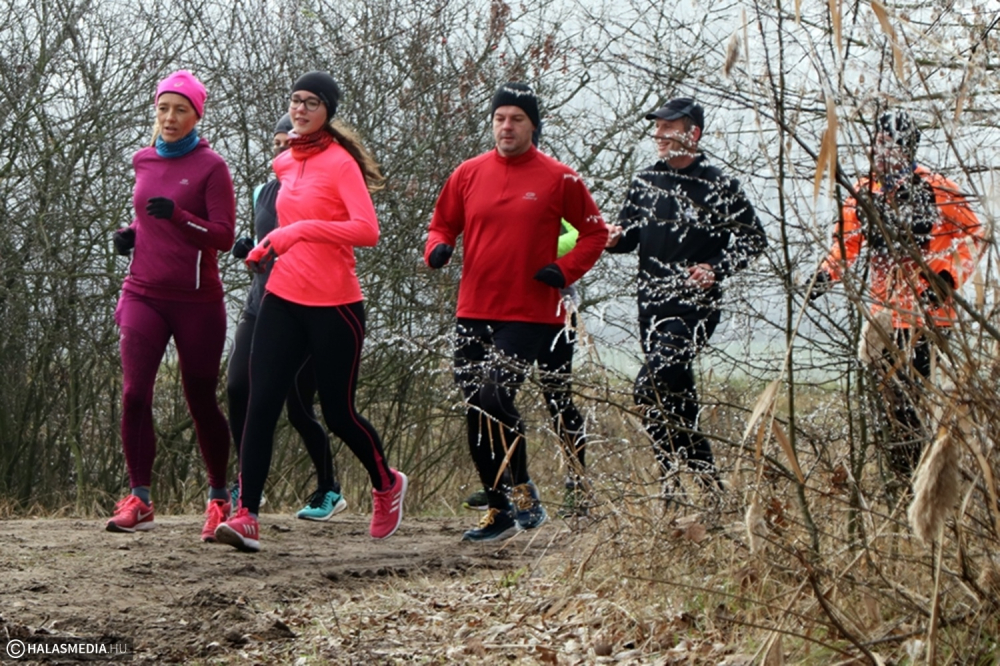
point(523, 158)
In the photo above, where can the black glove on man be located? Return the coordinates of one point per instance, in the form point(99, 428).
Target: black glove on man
point(551, 275)
point(440, 255)
point(160, 207)
point(929, 296)
point(123, 240)
point(822, 285)
point(242, 247)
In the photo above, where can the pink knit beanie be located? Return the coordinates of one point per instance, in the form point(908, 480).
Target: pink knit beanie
point(184, 83)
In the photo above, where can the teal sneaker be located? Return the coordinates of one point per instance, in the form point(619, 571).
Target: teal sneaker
point(528, 510)
point(493, 526)
point(323, 505)
point(234, 497)
point(477, 501)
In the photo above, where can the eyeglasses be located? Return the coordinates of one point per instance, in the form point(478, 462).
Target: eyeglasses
point(311, 103)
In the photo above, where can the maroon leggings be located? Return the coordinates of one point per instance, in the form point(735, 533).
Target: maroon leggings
point(199, 331)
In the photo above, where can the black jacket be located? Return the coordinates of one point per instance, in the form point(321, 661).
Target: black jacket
point(682, 217)
point(265, 220)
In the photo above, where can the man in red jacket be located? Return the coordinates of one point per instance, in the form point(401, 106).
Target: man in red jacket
point(509, 203)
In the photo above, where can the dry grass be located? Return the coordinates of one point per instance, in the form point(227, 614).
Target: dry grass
point(817, 566)
point(825, 571)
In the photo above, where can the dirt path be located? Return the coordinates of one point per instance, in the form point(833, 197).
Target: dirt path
point(179, 599)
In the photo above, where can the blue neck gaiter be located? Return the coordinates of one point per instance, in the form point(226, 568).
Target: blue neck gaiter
point(178, 148)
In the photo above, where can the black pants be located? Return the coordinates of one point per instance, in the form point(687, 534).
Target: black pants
point(285, 336)
point(901, 383)
point(491, 361)
point(555, 365)
point(665, 388)
point(298, 403)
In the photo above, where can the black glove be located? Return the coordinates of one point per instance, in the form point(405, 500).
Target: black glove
point(440, 255)
point(160, 207)
point(123, 240)
point(242, 247)
point(929, 296)
point(551, 275)
point(261, 257)
point(822, 285)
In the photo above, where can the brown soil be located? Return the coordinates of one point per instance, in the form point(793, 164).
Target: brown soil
point(180, 600)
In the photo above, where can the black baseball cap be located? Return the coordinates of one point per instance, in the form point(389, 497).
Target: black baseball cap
point(680, 107)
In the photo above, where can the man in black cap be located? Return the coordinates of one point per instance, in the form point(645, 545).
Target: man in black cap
point(693, 227)
point(508, 204)
point(902, 211)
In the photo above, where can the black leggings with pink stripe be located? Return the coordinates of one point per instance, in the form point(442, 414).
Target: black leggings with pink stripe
point(286, 334)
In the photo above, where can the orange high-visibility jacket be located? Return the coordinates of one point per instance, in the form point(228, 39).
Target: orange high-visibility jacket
point(954, 246)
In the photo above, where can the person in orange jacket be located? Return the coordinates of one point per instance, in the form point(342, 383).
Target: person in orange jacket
point(923, 242)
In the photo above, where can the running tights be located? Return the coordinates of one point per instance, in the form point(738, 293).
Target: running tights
point(286, 334)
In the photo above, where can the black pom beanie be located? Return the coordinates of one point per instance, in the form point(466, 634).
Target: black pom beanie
point(904, 131)
point(520, 95)
point(323, 86)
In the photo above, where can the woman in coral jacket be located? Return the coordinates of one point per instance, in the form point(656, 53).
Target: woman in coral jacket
point(327, 501)
point(313, 303)
point(923, 243)
point(185, 214)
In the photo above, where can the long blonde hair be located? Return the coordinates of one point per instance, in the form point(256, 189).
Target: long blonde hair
point(349, 139)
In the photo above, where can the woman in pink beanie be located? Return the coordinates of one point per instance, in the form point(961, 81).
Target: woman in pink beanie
point(185, 213)
point(184, 83)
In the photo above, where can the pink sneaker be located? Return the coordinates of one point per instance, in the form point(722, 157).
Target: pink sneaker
point(242, 531)
point(216, 512)
point(131, 514)
point(387, 510)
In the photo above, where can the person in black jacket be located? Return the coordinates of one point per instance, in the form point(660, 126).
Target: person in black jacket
point(693, 227)
point(327, 500)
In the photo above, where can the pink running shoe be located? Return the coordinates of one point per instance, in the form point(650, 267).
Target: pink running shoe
point(387, 510)
point(242, 532)
point(216, 512)
point(131, 514)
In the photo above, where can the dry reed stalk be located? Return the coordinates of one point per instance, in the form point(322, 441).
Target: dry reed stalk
point(990, 483)
point(935, 488)
point(936, 605)
point(732, 55)
point(763, 409)
point(989, 577)
point(508, 454)
point(875, 336)
point(786, 446)
point(826, 162)
point(897, 51)
point(763, 406)
point(775, 655)
point(755, 523)
point(836, 20)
